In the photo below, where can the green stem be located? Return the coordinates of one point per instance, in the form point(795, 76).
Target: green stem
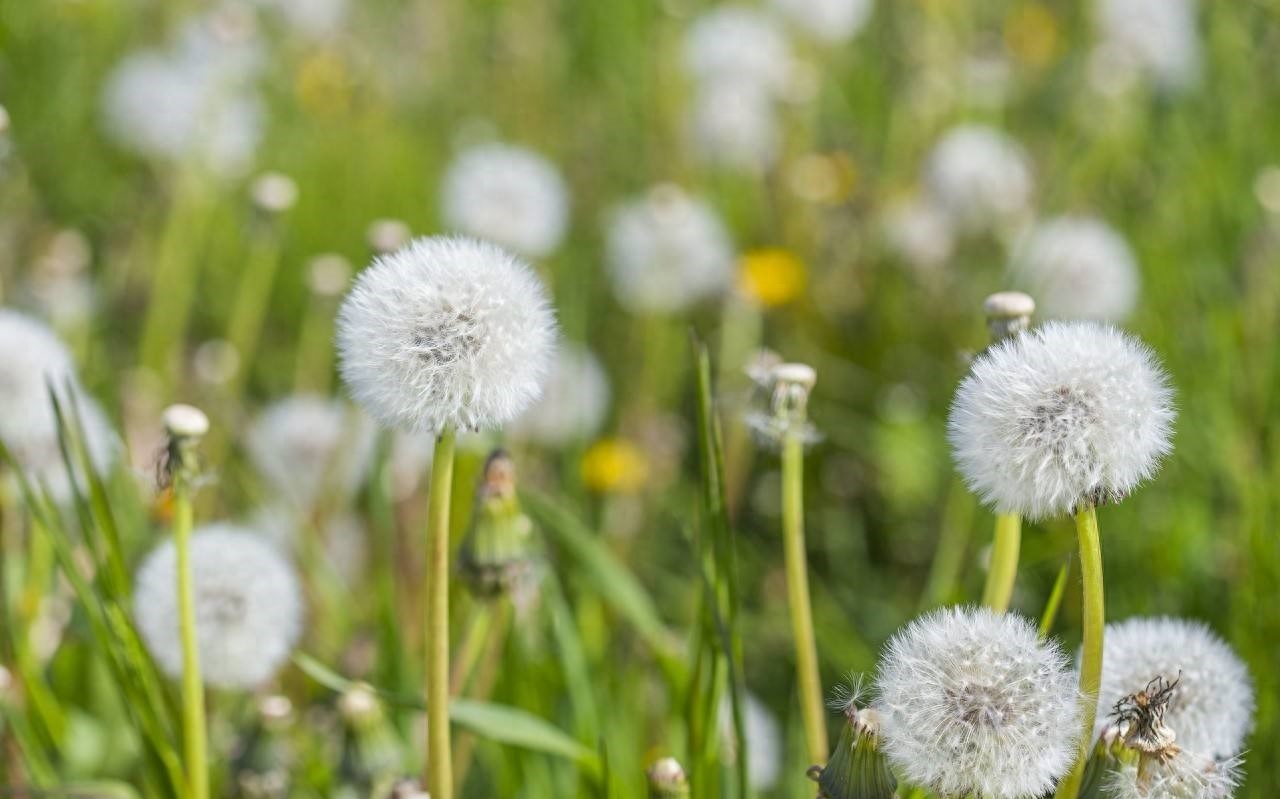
point(1093, 611)
point(439, 764)
point(953, 540)
point(1004, 562)
point(193, 719)
point(811, 704)
point(1055, 600)
point(244, 329)
point(174, 277)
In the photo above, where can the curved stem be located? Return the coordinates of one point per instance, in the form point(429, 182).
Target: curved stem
point(193, 719)
point(1093, 611)
point(1004, 562)
point(439, 766)
point(811, 704)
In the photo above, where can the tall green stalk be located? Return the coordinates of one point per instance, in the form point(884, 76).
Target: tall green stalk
point(1093, 612)
point(1004, 562)
point(195, 743)
point(438, 769)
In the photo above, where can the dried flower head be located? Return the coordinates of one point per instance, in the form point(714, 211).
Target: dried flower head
point(1139, 717)
point(1185, 776)
point(248, 606)
point(980, 177)
point(972, 702)
point(739, 43)
point(508, 195)
point(829, 21)
point(667, 251)
point(1068, 413)
point(447, 332)
point(310, 448)
point(1077, 267)
point(1210, 707)
point(573, 406)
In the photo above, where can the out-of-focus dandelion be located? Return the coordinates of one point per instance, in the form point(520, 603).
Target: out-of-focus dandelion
point(763, 741)
point(574, 404)
point(310, 449)
point(734, 124)
point(32, 359)
point(248, 606)
point(973, 702)
point(667, 779)
point(1077, 267)
point(980, 177)
point(1153, 39)
point(741, 43)
point(508, 195)
point(59, 284)
point(312, 19)
point(614, 465)
point(385, 236)
point(1185, 776)
point(667, 251)
point(341, 537)
point(771, 276)
point(829, 21)
point(274, 192)
point(920, 234)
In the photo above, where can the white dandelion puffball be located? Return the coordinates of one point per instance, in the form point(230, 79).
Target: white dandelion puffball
point(667, 251)
point(739, 43)
point(920, 234)
point(510, 196)
point(307, 447)
point(1066, 413)
point(735, 124)
point(974, 703)
point(446, 332)
point(575, 402)
point(980, 177)
point(1187, 776)
point(1077, 267)
point(31, 359)
point(830, 21)
point(38, 449)
point(312, 19)
point(1156, 39)
point(248, 606)
point(1212, 707)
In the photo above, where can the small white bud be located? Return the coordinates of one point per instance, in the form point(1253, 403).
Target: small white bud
point(388, 235)
point(185, 421)
point(274, 192)
point(328, 275)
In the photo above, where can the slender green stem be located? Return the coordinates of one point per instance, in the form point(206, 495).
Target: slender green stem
point(439, 764)
point(193, 720)
point(174, 276)
point(1055, 600)
point(1004, 562)
point(811, 704)
point(953, 539)
point(1093, 611)
point(252, 302)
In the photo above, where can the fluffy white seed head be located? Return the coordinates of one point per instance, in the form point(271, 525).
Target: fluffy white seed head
point(446, 332)
point(972, 702)
point(1066, 413)
point(1077, 267)
point(739, 43)
point(921, 234)
point(510, 196)
point(1153, 39)
point(830, 21)
point(308, 447)
point(1211, 711)
point(980, 177)
point(32, 359)
point(1187, 776)
point(248, 606)
point(667, 251)
point(734, 124)
point(575, 402)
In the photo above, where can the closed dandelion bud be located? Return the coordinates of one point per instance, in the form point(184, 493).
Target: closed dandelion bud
point(185, 425)
point(498, 553)
point(667, 780)
point(857, 768)
point(1008, 313)
point(787, 386)
point(370, 750)
point(262, 766)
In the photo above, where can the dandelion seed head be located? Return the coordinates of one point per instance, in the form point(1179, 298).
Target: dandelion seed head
point(735, 124)
point(829, 21)
point(980, 177)
point(1063, 414)
point(920, 233)
point(972, 702)
point(1077, 267)
point(248, 606)
point(38, 448)
point(1153, 39)
point(668, 251)
point(308, 447)
point(1211, 709)
point(1186, 776)
point(573, 406)
point(741, 43)
point(508, 195)
point(32, 358)
point(446, 332)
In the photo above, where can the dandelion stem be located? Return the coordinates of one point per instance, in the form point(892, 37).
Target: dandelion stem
point(193, 719)
point(439, 765)
point(811, 704)
point(1094, 619)
point(1004, 562)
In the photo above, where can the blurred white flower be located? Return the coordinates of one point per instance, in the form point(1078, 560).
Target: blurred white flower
point(39, 451)
point(1077, 267)
point(385, 236)
point(310, 449)
point(735, 124)
point(248, 606)
point(446, 332)
point(1187, 776)
point(667, 251)
point(313, 19)
point(741, 43)
point(274, 192)
point(1155, 39)
point(221, 42)
point(1212, 707)
point(342, 537)
point(574, 404)
point(1069, 412)
point(830, 21)
point(920, 234)
point(973, 702)
point(980, 177)
point(31, 359)
point(508, 195)
point(764, 741)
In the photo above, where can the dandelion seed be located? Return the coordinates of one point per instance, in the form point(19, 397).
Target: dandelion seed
point(667, 252)
point(447, 332)
point(830, 21)
point(980, 177)
point(309, 448)
point(972, 702)
point(574, 405)
point(1156, 39)
point(1063, 414)
point(1211, 706)
point(508, 195)
point(734, 42)
point(248, 606)
point(1077, 268)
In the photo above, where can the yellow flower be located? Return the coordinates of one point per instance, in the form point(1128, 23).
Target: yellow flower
point(614, 465)
point(1031, 34)
point(771, 276)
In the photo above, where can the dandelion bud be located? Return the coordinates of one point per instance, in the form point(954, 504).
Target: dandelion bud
point(788, 386)
point(857, 768)
point(1008, 313)
point(667, 780)
point(185, 421)
point(385, 236)
point(185, 425)
point(274, 193)
point(359, 705)
point(497, 554)
point(370, 749)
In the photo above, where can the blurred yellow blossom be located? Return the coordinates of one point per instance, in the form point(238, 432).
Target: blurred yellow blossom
point(323, 85)
point(614, 465)
point(1031, 35)
point(771, 276)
